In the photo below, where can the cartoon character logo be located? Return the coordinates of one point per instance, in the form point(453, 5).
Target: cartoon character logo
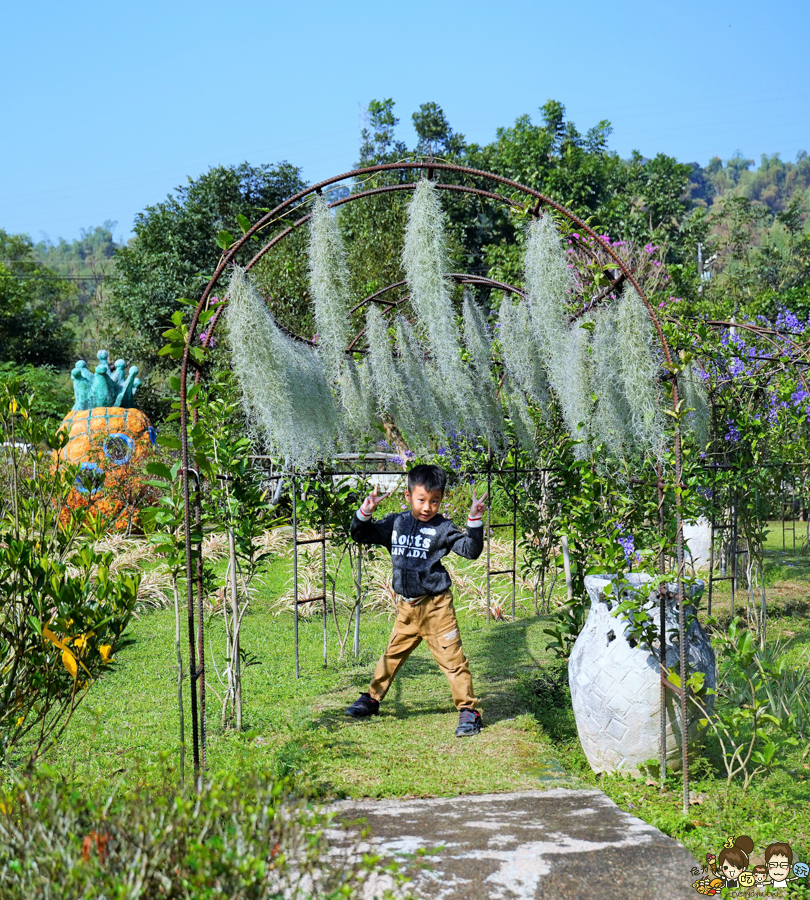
point(730, 869)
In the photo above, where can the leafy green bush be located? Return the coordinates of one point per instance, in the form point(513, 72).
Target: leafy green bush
point(241, 839)
point(62, 610)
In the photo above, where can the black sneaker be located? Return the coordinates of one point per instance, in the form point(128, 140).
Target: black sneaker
point(469, 722)
point(365, 705)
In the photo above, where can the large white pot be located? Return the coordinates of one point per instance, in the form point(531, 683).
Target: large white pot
point(616, 683)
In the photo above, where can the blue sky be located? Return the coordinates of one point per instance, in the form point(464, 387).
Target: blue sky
point(108, 106)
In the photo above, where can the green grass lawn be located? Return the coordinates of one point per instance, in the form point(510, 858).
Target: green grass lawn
point(128, 726)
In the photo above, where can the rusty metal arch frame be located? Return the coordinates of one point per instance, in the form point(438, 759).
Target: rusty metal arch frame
point(534, 203)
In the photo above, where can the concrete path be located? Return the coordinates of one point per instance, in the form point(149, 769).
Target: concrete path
point(557, 844)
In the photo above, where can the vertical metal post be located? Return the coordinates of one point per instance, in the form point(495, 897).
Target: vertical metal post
point(201, 627)
point(793, 507)
point(489, 536)
point(295, 567)
point(733, 553)
point(663, 594)
point(782, 478)
point(359, 601)
point(662, 630)
point(237, 662)
point(711, 563)
point(514, 532)
point(323, 571)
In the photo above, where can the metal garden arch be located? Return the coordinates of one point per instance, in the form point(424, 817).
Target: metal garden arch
point(534, 203)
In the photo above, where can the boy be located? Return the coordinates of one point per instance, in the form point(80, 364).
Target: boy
point(417, 540)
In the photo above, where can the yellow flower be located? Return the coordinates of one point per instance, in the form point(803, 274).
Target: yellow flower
point(81, 642)
point(105, 650)
point(20, 720)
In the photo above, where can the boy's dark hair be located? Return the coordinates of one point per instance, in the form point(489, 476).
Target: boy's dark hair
point(760, 870)
point(431, 478)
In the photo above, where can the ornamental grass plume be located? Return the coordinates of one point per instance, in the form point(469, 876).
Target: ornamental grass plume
point(639, 370)
point(518, 350)
point(548, 284)
point(329, 282)
point(287, 400)
point(612, 419)
point(425, 259)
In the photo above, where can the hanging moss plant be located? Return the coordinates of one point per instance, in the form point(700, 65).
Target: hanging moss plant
point(285, 392)
point(425, 259)
point(479, 349)
point(548, 285)
point(640, 368)
point(329, 283)
point(612, 420)
point(519, 352)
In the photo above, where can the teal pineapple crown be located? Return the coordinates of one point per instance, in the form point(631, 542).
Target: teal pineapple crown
point(103, 387)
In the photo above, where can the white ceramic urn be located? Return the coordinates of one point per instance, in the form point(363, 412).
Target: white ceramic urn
point(616, 683)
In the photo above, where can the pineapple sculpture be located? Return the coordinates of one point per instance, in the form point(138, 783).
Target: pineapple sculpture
point(109, 440)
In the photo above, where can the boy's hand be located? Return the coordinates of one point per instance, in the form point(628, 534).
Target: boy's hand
point(372, 502)
point(478, 506)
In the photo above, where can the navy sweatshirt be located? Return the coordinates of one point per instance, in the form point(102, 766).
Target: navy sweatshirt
point(417, 548)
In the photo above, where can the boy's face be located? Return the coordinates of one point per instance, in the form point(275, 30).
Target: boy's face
point(760, 877)
point(778, 867)
point(424, 503)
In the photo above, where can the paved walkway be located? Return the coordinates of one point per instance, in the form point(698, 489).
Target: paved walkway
point(557, 844)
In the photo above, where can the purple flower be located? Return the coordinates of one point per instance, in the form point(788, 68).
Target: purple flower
point(214, 300)
point(397, 460)
point(650, 248)
point(383, 445)
point(410, 454)
point(441, 451)
point(627, 543)
point(204, 338)
point(733, 435)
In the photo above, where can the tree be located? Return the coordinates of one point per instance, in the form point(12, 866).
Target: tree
point(174, 252)
point(436, 137)
point(30, 294)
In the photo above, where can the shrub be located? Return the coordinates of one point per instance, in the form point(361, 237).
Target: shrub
point(63, 607)
point(242, 839)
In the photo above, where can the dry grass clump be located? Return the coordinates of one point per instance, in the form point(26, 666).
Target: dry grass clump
point(155, 590)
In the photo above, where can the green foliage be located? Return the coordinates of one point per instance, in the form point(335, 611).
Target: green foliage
point(174, 252)
point(51, 394)
point(241, 838)
point(763, 700)
point(63, 610)
point(30, 294)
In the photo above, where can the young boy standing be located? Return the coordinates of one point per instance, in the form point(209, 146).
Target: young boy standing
point(418, 539)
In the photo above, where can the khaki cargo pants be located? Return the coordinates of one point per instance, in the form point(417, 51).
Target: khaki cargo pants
point(433, 620)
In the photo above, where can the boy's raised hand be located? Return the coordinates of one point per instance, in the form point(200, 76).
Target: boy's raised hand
point(477, 506)
point(372, 502)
